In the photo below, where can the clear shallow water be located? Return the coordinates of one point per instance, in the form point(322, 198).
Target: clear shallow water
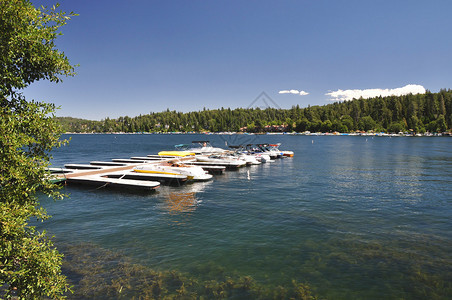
point(353, 217)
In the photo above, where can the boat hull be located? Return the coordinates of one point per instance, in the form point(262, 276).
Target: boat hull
point(193, 173)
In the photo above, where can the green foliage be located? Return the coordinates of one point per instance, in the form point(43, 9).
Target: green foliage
point(367, 123)
point(29, 264)
point(27, 48)
point(396, 127)
point(389, 114)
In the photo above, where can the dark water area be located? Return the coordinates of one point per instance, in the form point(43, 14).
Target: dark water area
point(348, 217)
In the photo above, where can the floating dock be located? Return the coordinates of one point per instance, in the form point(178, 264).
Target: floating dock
point(82, 167)
point(119, 172)
point(100, 182)
point(146, 158)
point(107, 163)
point(129, 160)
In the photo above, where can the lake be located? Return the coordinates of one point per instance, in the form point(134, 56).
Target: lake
point(347, 217)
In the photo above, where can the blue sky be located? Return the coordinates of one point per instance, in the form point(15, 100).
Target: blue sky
point(142, 56)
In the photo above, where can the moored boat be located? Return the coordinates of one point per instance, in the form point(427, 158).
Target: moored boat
point(200, 148)
point(260, 155)
point(273, 153)
point(195, 173)
point(285, 153)
point(175, 153)
point(221, 160)
point(239, 151)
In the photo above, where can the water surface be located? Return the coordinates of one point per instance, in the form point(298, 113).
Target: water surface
point(352, 217)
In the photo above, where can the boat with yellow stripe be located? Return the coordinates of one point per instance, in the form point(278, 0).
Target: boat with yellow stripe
point(195, 173)
point(176, 153)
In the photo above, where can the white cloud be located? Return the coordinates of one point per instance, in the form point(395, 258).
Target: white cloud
point(341, 95)
point(295, 92)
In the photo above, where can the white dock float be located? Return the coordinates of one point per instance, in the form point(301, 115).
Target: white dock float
point(149, 158)
point(59, 170)
point(115, 182)
point(162, 156)
point(82, 167)
point(107, 163)
point(129, 161)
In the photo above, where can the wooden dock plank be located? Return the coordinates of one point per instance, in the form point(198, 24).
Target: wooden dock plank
point(105, 170)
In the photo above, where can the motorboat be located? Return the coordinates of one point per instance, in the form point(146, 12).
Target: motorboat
point(221, 160)
point(274, 153)
point(200, 148)
point(260, 154)
point(285, 153)
point(263, 157)
point(249, 159)
point(238, 151)
point(195, 173)
point(243, 157)
point(175, 153)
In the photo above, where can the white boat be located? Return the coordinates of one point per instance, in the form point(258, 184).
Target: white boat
point(263, 158)
point(200, 148)
point(194, 173)
point(273, 152)
point(243, 157)
point(221, 160)
point(238, 151)
point(249, 159)
point(261, 154)
point(285, 153)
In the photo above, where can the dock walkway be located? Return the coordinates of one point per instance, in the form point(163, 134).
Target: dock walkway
point(116, 174)
point(115, 182)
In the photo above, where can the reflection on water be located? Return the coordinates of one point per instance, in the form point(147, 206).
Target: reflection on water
point(183, 199)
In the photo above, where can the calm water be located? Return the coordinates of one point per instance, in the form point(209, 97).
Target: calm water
point(352, 217)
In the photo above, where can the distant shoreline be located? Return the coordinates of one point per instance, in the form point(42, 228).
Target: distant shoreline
point(379, 134)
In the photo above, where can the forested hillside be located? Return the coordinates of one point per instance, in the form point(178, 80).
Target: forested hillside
point(418, 113)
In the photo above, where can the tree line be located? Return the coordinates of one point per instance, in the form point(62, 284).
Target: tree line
point(429, 112)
